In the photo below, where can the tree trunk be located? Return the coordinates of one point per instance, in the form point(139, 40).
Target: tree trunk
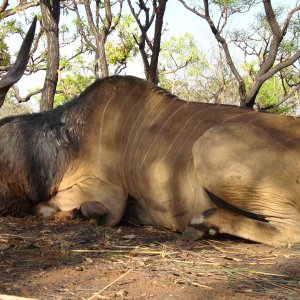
point(158, 11)
point(50, 16)
point(152, 72)
point(102, 61)
point(268, 68)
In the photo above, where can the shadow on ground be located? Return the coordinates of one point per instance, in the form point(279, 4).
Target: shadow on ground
point(80, 260)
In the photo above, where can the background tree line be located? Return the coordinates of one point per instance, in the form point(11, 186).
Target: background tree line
point(105, 36)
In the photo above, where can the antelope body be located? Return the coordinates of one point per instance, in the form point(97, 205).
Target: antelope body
point(193, 167)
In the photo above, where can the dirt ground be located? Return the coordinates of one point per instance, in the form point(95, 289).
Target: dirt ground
point(80, 260)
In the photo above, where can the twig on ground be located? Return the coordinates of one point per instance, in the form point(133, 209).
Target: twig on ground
point(107, 286)
point(194, 283)
point(11, 297)
point(131, 251)
point(282, 286)
point(185, 280)
point(268, 274)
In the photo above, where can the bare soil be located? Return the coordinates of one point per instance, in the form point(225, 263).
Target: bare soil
point(81, 260)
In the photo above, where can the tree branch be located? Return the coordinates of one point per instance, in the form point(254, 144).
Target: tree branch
point(113, 26)
point(27, 97)
point(193, 10)
point(3, 6)
point(143, 28)
point(275, 28)
point(287, 62)
point(89, 16)
point(18, 8)
point(261, 79)
point(292, 92)
point(80, 27)
point(222, 41)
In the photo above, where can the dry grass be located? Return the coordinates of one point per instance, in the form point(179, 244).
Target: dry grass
point(138, 263)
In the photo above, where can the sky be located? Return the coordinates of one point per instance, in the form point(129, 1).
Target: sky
point(177, 21)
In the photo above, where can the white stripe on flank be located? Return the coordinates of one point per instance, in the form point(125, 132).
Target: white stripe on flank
point(132, 110)
point(144, 132)
point(131, 163)
point(191, 133)
point(156, 137)
point(235, 116)
point(102, 127)
point(141, 129)
point(189, 177)
point(178, 149)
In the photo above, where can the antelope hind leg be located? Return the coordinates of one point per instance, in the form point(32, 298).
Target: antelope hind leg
point(224, 221)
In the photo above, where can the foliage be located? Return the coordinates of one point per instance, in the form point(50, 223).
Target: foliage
point(269, 92)
point(180, 66)
point(11, 107)
point(230, 6)
point(78, 73)
point(4, 53)
point(70, 86)
point(273, 41)
point(121, 47)
point(234, 6)
point(183, 69)
point(7, 28)
point(255, 41)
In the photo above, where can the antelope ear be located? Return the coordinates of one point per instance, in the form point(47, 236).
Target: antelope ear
point(18, 69)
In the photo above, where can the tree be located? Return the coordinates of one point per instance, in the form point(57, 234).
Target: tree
point(254, 44)
point(50, 17)
point(70, 86)
point(181, 66)
point(268, 67)
point(121, 48)
point(99, 26)
point(144, 43)
point(15, 26)
point(74, 78)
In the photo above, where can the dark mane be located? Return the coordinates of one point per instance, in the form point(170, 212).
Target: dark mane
point(35, 151)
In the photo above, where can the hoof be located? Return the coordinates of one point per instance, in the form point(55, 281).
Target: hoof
point(192, 234)
point(93, 210)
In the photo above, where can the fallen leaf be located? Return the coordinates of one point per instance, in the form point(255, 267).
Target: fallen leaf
point(89, 260)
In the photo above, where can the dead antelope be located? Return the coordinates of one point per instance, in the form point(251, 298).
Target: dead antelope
point(193, 167)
